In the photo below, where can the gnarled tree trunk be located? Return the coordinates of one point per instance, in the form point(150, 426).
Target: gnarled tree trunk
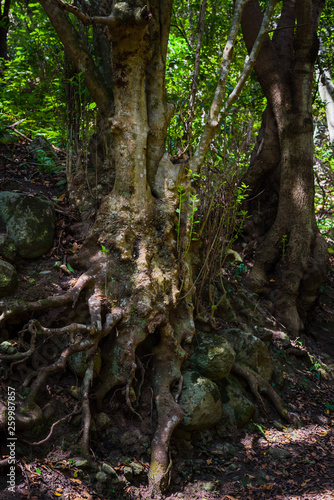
point(291, 251)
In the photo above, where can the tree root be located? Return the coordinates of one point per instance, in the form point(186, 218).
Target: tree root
point(168, 358)
point(38, 443)
point(257, 384)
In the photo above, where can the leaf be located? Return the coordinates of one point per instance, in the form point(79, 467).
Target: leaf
point(38, 470)
point(70, 268)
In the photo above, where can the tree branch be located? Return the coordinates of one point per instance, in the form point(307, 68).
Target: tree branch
point(194, 83)
point(79, 55)
point(139, 15)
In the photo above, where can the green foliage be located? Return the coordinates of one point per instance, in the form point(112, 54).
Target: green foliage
point(180, 70)
point(30, 83)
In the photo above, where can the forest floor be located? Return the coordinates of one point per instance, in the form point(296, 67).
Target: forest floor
point(266, 459)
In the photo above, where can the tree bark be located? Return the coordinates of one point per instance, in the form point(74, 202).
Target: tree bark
point(291, 248)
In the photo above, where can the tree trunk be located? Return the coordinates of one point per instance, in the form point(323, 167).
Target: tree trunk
point(131, 247)
point(4, 25)
point(291, 251)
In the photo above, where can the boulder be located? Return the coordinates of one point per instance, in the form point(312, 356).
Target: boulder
point(8, 278)
point(200, 400)
point(237, 407)
point(7, 248)
point(250, 351)
point(213, 356)
point(30, 222)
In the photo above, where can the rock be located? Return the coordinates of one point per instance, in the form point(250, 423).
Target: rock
point(81, 463)
point(101, 477)
point(8, 278)
point(42, 152)
point(75, 392)
point(224, 449)
point(251, 351)
point(30, 223)
point(137, 469)
point(109, 470)
point(78, 363)
point(134, 441)
point(7, 248)
point(238, 408)
point(102, 421)
point(209, 486)
point(200, 400)
point(128, 474)
point(6, 347)
point(279, 453)
point(213, 357)
point(283, 338)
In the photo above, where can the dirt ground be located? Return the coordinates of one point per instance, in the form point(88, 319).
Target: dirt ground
point(264, 460)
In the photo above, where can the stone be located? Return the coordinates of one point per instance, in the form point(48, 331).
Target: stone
point(7, 348)
point(81, 463)
point(102, 421)
point(209, 486)
point(250, 351)
point(8, 278)
point(75, 392)
point(30, 222)
point(237, 407)
point(7, 248)
point(110, 471)
point(101, 477)
point(200, 400)
point(128, 473)
point(213, 356)
point(138, 470)
point(133, 441)
point(279, 453)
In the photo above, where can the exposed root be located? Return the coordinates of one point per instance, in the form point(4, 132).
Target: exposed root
point(168, 358)
point(86, 414)
point(42, 441)
point(257, 384)
point(128, 388)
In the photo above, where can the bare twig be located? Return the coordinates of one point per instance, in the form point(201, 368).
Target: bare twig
point(37, 443)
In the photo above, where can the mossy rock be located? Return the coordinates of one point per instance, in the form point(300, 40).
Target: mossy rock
point(213, 356)
point(237, 407)
point(250, 351)
point(8, 278)
point(7, 248)
point(200, 400)
point(30, 222)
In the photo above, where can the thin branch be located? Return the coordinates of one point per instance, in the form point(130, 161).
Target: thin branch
point(78, 53)
point(194, 84)
point(38, 443)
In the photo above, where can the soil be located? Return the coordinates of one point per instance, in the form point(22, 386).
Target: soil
point(265, 459)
